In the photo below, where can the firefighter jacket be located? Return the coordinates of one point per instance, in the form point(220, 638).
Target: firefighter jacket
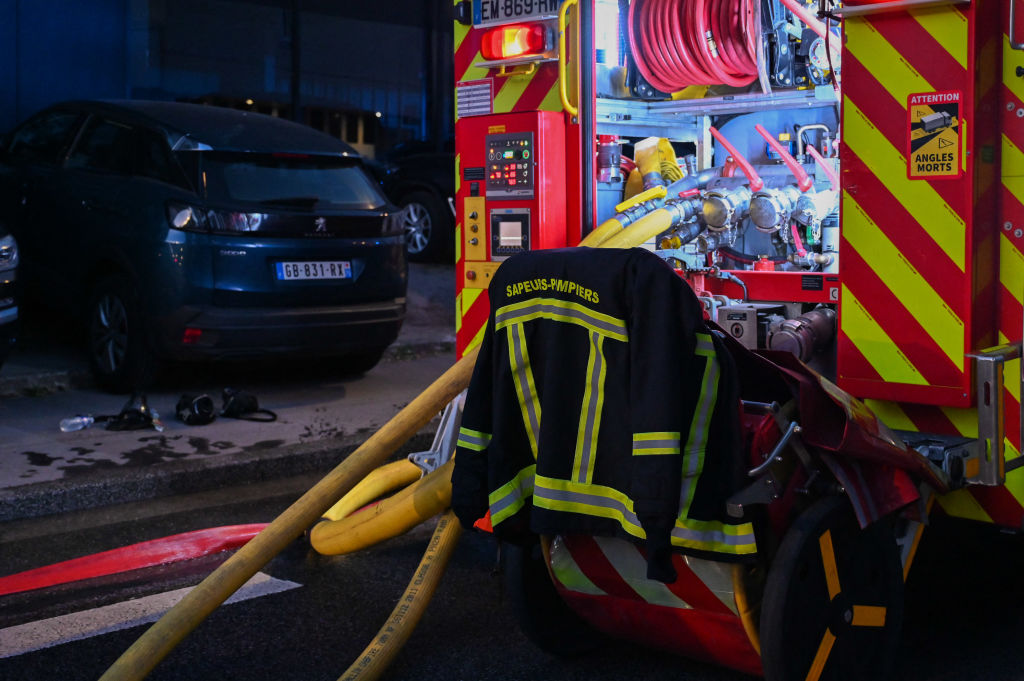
point(596, 407)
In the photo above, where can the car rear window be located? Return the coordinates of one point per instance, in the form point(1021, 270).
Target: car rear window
point(286, 180)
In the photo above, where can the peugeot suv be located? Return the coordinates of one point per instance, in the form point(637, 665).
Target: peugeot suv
point(187, 232)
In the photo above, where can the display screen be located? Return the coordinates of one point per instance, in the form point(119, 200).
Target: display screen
point(510, 234)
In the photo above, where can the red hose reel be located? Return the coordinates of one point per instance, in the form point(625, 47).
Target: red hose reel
point(678, 43)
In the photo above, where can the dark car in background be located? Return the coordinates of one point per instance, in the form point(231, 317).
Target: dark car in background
point(188, 232)
point(420, 177)
point(8, 296)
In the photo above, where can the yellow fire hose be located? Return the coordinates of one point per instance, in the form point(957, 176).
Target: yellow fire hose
point(165, 634)
point(621, 220)
point(379, 482)
point(391, 517)
point(162, 637)
point(645, 228)
point(396, 631)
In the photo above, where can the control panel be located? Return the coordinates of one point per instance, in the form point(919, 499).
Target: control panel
point(510, 232)
point(510, 165)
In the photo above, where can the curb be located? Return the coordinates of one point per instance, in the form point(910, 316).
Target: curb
point(113, 487)
point(45, 382)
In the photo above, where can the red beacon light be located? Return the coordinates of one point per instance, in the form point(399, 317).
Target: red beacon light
point(514, 40)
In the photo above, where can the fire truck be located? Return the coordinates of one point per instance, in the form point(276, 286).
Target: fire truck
point(838, 181)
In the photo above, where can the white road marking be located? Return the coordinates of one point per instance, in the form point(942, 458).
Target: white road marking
point(75, 626)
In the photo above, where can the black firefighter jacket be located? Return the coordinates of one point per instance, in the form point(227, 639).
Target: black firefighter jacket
point(596, 407)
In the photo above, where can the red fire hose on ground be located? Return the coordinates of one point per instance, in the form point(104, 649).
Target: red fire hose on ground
point(678, 43)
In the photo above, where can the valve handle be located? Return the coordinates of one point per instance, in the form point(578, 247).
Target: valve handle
point(756, 183)
point(829, 170)
point(803, 180)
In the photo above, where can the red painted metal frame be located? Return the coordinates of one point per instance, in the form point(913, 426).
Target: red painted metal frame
point(794, 287)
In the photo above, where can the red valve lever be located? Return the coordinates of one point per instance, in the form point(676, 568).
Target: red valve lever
point(803, 180)
point(756, 183)
point(829, 170)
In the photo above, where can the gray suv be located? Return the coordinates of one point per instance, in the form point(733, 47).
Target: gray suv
point(187, 232)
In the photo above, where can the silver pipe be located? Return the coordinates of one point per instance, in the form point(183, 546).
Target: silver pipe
point(800, 136)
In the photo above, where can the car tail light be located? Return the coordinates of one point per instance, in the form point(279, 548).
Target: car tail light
point(188, 218)
point(514, 40)
point(232, 223)
point(184, 217)
point(191, 335)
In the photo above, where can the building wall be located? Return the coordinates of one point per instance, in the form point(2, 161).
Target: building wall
point(352, 59)
point(52, 50)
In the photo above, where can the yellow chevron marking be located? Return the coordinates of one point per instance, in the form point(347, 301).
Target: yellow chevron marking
point(477, 339)
point(948, 27)
point(1011, 370)
point(876, 346)
point(460, 33)
point(473, 72)
point(944, 226)
point(1011, 264)
point(891, 414)
point(892, 267)
point(961, 504)
point(458, 173)
point(964, 420)
point(458, 241)
point(458, 311)
point(552, 101)
point(510, 93)
point(463, 302)
point(1011, 60)
point(883, 60)
point(1013, 162)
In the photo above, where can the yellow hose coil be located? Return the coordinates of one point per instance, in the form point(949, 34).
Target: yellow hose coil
point(385, 479)
point(602, 232)
point(376, 657)
point(389, 518)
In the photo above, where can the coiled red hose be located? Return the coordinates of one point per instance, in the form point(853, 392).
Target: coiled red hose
point(673, 49)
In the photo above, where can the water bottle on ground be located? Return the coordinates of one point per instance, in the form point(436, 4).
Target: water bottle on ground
point(76, 423)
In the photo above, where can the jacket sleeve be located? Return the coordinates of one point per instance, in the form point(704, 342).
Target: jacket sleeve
point(469, 477)
point(665, 382)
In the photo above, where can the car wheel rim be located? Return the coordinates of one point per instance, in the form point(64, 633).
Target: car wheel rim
point(417, 227)
point(109, 333)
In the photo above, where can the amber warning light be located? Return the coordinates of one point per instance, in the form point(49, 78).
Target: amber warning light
point(514, 40)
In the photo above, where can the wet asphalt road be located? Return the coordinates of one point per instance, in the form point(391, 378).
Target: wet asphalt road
point(963, 606)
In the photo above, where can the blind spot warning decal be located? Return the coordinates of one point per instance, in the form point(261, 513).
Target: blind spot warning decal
point(934, 139)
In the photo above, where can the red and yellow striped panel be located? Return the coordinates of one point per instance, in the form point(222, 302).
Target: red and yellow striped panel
point(605, 580)
point(534, 91)
point(914, 297)
point(1003, 91)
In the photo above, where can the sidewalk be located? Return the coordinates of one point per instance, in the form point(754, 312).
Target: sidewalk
point(321, 418)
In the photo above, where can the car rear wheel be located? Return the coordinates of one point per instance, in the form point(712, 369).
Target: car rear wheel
point(427, 227)
point(119, 354)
